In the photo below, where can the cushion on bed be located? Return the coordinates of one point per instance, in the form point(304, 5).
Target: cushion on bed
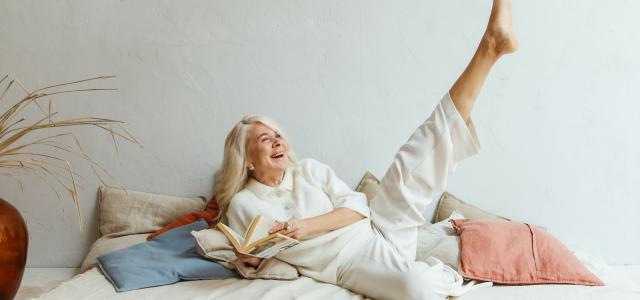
point(214, 245)
point(209, 214)
point(271, 268)
point(448, 203)
point(440, 240)
point(110, 243)
point(148, 213)
point(369, 185)
point(510, 252)
point(169, 258)
point(123, 212)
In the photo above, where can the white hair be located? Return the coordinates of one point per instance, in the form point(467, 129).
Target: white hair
point(233, 174)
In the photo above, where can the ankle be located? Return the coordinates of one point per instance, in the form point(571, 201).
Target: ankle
point(497, 43)
point(488, 48)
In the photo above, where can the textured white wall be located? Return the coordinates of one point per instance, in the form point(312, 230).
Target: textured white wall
point(349, 81)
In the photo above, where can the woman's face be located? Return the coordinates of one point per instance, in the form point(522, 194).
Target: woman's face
point(267, 150)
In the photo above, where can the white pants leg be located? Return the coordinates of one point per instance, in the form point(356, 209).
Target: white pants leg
point(421, 165)
point(386, 267)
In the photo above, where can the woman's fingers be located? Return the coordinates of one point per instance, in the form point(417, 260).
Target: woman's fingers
point(289, 228)
point(293, 232)
point(254, 261)
point(238, 254)
point(279, 226)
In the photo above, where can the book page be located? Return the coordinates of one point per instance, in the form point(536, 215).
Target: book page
point(236, 240)
point(271, 246)
point(260, 229)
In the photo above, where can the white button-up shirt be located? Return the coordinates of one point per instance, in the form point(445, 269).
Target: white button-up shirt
point(309, 188)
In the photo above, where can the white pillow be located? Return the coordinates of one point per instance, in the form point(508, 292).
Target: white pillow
point(440, 241)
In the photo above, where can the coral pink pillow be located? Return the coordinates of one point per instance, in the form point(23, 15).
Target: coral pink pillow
point(509, 252)
point(208, 214)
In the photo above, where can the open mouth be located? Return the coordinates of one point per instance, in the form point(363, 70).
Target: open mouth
point(278, 155)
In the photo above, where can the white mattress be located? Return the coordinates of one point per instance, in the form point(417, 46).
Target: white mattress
point(93, 285)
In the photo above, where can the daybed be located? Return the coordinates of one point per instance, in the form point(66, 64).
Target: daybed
point(127, 218)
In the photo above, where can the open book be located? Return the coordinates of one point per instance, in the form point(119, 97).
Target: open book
point(257, 241)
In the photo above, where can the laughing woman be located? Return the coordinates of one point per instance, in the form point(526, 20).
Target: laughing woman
point(368, 248)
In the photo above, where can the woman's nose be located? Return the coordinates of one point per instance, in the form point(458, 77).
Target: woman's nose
point(276, 143)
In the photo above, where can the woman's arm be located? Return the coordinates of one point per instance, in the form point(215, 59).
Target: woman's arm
point(348, 206)
point(302, 228)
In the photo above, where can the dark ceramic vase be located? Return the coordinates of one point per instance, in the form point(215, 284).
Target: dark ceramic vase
point(14, 241)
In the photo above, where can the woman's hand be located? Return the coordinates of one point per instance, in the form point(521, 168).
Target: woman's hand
point(294, 228)
point(251, 260)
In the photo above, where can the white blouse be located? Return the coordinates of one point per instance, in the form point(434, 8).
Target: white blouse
point(309, 188)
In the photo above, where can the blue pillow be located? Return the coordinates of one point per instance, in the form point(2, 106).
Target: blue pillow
point(168, 258)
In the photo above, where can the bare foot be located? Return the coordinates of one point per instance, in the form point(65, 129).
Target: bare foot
point(499, 38)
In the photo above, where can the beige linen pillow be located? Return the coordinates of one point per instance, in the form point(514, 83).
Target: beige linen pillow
point(369, 185)
point(448, 203)
point(271, 268)
point(214, 245)
point(124, 212)
point(440, 240)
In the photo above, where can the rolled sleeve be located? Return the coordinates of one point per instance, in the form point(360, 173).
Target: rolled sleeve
point(463, 135)
point(356, 202)
point(340, 193)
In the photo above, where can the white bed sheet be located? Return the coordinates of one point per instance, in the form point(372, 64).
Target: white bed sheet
point(550, 292)
point(93, 285)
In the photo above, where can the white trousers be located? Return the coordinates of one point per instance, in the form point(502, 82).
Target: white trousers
point(384, 266)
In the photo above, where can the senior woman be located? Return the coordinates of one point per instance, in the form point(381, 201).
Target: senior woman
point(368, 248)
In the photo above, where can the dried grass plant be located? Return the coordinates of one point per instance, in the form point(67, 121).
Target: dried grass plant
point(51, 165)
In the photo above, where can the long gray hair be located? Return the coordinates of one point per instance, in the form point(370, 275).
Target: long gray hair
point(233, 174)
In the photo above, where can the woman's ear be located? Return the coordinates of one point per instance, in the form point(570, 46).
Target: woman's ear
point(248, 164)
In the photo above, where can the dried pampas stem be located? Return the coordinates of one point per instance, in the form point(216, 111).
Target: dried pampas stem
point(16, 156)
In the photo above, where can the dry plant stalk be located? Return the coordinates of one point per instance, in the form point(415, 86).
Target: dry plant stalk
point(19, 156)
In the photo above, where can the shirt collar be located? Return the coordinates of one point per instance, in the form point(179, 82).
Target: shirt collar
point(261, 189)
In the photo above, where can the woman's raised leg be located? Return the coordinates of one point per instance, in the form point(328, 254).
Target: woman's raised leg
point(497, 41)
point(424, 162)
